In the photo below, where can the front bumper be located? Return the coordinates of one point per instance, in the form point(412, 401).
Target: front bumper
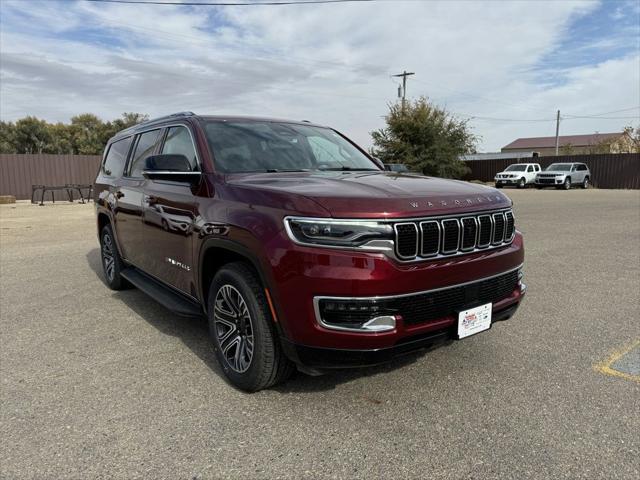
point(318, 358)
point(546, 182)
point(302, 274)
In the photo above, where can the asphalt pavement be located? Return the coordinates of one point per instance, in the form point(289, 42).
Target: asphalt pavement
point(102, 384)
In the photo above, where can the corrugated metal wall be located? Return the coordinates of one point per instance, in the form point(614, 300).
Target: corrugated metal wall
point(19, 172)
point(616, 170)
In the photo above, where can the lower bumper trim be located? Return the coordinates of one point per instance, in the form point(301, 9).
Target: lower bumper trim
point(329, 358)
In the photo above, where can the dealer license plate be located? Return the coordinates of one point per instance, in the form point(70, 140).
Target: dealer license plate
point(474, 320)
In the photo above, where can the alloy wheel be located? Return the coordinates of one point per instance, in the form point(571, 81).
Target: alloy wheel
point(233, 328)
point(108, 258)
point(567, 184)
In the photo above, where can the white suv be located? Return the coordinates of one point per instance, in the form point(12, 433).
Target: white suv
point(519, 174)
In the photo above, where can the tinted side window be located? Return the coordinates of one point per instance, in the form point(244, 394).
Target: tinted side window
point(179, 141)
point(113, 165)
point(530, 169)
point(144, 148)
point(582, 168)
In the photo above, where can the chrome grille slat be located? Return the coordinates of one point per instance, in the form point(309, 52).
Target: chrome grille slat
point(447, 236)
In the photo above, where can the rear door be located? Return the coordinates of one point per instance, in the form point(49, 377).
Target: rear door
point(170, 210)
point(129, 198)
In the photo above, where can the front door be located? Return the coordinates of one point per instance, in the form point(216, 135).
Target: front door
point(169, 213)
point(129, 199)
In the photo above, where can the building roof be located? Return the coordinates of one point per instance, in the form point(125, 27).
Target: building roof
point(550, 142)
point(497, 155)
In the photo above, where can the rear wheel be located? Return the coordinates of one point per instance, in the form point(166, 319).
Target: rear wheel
point(241, 326)
point(585, 183)
point(112, 263)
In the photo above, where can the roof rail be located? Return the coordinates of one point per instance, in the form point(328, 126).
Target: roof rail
point(158, 119)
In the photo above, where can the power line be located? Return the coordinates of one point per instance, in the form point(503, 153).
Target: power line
point(231, 4)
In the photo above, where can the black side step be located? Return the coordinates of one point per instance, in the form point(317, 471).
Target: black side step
point(174, 301)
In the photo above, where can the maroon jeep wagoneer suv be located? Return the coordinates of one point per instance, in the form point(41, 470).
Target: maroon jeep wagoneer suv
point(299, 248)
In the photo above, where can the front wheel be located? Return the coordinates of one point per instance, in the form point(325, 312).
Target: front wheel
point(522, 183)
point(112, 263)
point(498, 185)
point(242, 330)
point(585, 183)
point(567, 184)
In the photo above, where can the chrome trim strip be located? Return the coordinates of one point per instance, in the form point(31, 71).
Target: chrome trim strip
point(427, 255)
point(316, 299)
point(395, 229)
point(170, 172)
point(444, 232)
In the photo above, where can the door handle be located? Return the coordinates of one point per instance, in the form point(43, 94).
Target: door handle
point(119, 194)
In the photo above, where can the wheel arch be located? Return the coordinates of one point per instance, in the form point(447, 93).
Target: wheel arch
point(217, 252)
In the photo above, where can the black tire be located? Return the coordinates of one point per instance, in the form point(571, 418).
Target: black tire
point(522, 183)
point(539, 187)
point(567, 183)
point(585, 183)
point(112, 263)
point(498, 185)
point(241, 327)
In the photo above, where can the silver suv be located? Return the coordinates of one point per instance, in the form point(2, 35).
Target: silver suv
point(564, 175)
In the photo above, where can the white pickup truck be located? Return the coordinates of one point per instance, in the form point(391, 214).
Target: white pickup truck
point(518, 174)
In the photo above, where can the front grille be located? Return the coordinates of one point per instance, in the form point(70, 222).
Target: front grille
point(406, 240)
point(546, 180)
point(421, 307)
point(451, 236)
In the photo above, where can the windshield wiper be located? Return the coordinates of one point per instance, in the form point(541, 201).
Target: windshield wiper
point(349, 169)
point(284, 170)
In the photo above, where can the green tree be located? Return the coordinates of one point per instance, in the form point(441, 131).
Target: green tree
point(7, 137)
point(86, 130)
point(426, 138)
point(31, 135)
point(61, 139)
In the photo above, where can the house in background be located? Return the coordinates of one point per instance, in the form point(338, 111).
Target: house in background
point(571, 144)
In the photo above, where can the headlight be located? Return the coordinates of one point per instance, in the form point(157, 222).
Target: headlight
point(341, 233)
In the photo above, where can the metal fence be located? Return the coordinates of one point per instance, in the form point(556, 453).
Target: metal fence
point(19, 172)
point(615, 170)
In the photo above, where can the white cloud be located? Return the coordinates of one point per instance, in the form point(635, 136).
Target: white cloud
point(326, 63)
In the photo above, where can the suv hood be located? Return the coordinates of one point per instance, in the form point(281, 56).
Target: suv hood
point(378, 194)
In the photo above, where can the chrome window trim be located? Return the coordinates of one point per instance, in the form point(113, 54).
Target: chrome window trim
point(377, 298)
point(475, 240)
point(395, 229)
point(444, 229)
point(428, 255)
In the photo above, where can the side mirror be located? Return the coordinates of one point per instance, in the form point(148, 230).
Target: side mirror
point(170, 167)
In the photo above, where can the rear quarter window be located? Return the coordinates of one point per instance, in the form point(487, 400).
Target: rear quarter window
point(114, 161)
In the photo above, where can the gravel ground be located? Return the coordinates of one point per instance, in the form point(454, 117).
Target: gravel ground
point(97, 384)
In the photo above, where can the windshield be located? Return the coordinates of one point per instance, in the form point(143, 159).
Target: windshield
point(559, 167)
point(516, 168)
point(255, 146)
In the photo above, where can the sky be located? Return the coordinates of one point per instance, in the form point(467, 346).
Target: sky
point(506, 66)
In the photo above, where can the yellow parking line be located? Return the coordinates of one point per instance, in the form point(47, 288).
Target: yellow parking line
point(605, 366)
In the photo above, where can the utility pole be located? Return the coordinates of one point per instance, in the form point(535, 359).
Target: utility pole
point(557, 131)
point(404, 76)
